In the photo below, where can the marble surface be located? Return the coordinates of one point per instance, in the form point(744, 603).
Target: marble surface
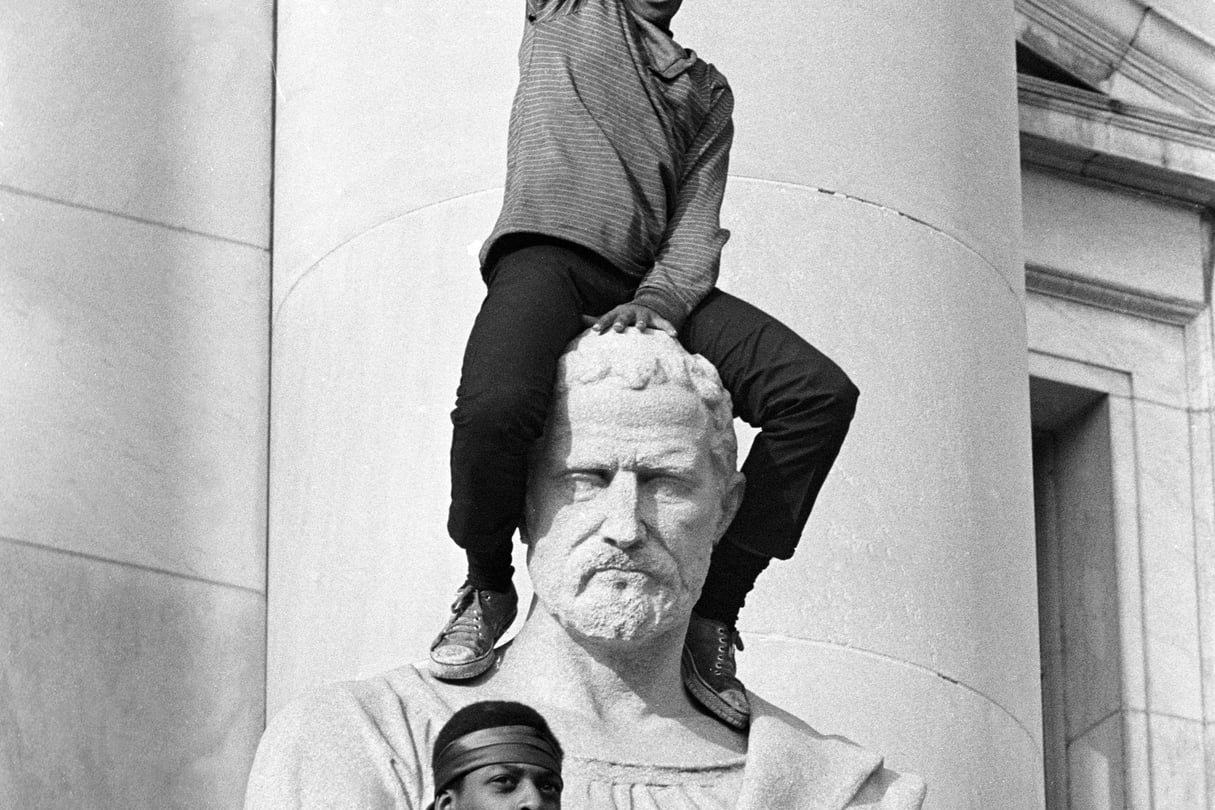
point(960, 517)
point(1136, 242)
point(1152, 751)
point(1179, 774)
point(154, 110)
point(1154, 352)
point(881, 101)
point(904, 705)
point(1096, 771)
point(134, 286)
point(1196, 13)
point(427, 110)
point(123, 687)
point(1128, 560)
point(134, 391)
point(1170, 599)
point(362, 571)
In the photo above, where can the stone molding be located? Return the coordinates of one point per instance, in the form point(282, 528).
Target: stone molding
point(1057, 283)
point(1169, 63)
point(1091, 135)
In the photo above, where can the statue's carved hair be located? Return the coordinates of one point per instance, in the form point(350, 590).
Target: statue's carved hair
point(635, 360)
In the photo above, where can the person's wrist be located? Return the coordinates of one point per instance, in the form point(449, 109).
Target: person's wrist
point(660, 306)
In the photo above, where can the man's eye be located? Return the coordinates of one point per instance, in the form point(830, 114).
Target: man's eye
point(505, 780)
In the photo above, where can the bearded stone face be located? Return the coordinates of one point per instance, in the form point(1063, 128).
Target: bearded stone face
point(624, 508)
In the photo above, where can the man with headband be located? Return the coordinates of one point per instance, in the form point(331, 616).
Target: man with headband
point(495, 755)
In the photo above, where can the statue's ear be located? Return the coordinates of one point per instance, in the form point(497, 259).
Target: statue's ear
point(731, 499)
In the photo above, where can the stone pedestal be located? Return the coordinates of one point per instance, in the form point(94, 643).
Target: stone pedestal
point(873, 203)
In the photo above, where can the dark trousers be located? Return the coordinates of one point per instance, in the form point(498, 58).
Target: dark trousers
point(537, 292)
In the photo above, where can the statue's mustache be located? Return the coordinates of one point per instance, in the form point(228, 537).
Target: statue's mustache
point(644, 561)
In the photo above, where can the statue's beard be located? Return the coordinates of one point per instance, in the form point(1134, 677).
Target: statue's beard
point(617, 605)
point(622, 606)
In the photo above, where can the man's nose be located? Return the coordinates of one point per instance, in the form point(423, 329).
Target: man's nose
point(622, 526)
point(528, 796)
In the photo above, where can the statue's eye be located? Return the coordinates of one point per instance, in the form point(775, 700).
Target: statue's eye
point(666, 484)
point(586, 482)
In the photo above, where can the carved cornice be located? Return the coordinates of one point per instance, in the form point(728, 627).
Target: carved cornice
point(1091, 135)
point(1116, 298)
point(1174, 63)
point(1100, 108)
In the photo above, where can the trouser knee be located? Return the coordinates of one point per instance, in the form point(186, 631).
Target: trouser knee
point(823, 394)
point(840, 395)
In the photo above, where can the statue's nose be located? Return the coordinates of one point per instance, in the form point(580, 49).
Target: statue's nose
point(622, 524)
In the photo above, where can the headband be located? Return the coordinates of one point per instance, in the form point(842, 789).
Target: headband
point(494, 746)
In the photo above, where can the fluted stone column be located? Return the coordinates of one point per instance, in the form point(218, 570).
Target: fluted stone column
point(875, 208)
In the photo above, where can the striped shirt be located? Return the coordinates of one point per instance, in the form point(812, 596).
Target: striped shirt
point(619, 141)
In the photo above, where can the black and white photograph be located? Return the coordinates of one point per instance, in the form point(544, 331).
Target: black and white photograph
point(607, 405)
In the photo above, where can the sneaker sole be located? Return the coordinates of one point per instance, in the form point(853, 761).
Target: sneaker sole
point(463, 672)
point(707, 698)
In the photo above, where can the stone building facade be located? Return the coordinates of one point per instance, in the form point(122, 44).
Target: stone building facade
point(1118, 176)
point(237, 266)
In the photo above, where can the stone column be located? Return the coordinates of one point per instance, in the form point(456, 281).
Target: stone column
point(875, 207)
point(135, 142)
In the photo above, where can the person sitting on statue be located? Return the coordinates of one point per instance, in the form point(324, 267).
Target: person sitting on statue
point(617, 157)
point(496, 755)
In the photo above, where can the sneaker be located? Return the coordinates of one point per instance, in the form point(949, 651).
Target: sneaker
point(465, 648)
point(708, 671)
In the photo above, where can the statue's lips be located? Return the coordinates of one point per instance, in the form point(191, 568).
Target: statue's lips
point(620, 567)
point(607, 569)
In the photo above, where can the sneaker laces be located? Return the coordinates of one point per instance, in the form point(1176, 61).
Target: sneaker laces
point(727, 639)
point(465, 623)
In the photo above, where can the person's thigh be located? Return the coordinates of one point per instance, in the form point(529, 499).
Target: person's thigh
point(801, 401)
point(531, 310)
point(534, 303)
point(763, 363)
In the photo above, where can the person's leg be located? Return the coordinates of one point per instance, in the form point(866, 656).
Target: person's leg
point(803, 404)
point(530, 312)
point(536, 296)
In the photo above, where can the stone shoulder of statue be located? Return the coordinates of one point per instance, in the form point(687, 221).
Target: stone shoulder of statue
point(633, 483)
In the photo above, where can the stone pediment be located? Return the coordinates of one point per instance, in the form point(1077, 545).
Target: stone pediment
point(1118, 92)
point(1131, 52)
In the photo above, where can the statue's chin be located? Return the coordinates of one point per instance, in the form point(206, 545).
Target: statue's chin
point(618, 610)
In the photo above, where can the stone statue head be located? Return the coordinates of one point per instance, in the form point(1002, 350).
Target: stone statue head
point(631, 486)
